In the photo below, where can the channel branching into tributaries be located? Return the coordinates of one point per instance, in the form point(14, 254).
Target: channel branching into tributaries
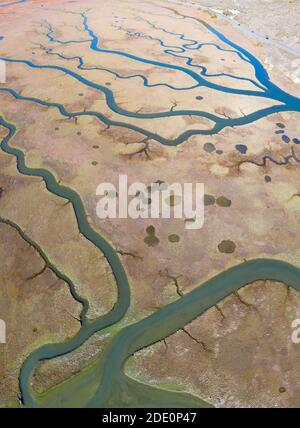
point(151, 329)
point(88, 328)
point(48, 264)
point(268, 89)
point(175, 315)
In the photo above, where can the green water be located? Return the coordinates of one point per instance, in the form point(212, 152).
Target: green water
point(103, 383)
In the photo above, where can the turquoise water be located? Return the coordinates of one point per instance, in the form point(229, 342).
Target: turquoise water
point(268, 89)
point(113, 387)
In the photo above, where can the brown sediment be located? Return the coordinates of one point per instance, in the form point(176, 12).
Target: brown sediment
point(222, 201)
point(226, 246)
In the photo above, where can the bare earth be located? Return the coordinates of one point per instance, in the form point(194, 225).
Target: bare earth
point(238, 354)
point(271, 23)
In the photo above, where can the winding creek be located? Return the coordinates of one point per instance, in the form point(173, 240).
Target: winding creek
point(104, 383)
